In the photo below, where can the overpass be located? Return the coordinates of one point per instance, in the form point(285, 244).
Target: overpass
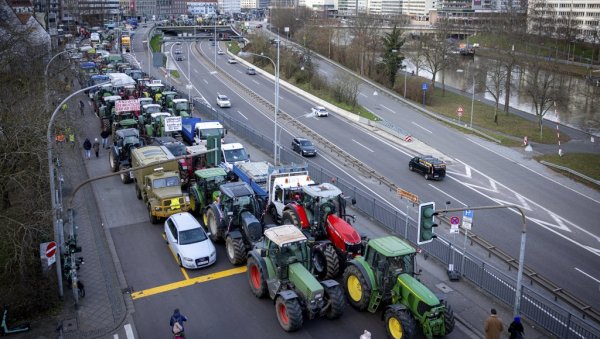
point(223, 32)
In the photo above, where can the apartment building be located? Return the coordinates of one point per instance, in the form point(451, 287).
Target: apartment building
point(579, 19)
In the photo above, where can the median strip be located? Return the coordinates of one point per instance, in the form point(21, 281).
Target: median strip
point(187, 282)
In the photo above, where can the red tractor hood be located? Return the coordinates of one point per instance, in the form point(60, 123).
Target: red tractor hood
point(342, 230)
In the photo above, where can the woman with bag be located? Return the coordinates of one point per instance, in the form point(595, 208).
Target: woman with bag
point(176, 324)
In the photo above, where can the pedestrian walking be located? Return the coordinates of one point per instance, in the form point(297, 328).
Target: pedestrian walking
point(176, 323)
point(81, 107)
point(96, 147)
point(493, 326)
point(60, 138)
point(87, 146)
point(516, 329)
point(72, 139)
point(105, 134)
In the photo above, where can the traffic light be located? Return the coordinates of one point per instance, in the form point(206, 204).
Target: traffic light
point(426, 223)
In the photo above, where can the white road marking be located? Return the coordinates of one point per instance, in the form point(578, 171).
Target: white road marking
point(256, 82)
point(370, 150)
point(460, 202)
point(389, 109)
point(206, 82)
point(129, 331)
point(364, 95)
point(588, 275)
point(115, 336)
point(414, 123)
point(195, 70)
point(242, 115)
point(213, 72)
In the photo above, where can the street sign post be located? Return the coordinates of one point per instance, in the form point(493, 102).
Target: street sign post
point(467, 219)
point(48, 252)
point(424, 87)
point(459, 111)
point(454, 222)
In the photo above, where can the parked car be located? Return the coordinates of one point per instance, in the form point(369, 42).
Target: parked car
point(188, 240)
point(430, 167)
point(320, 111)
point(223, 101)
point(304, 146)
point(250, 71)
point(232, 61)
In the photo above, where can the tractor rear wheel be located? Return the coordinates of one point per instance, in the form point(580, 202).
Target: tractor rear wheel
point(326, 262)
point(449, 320)
point(290, 217)
point(235, 251)
point(194, 203)
point(335, 296)
point(258, 285)
point(289, 314)
point(153, 219)
point(214, 223)
point(125, 178)
point(400, 324)
point(138, 192)
point(357, 289)
point(114, 164)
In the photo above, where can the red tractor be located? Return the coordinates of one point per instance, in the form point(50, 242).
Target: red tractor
point(320, 211)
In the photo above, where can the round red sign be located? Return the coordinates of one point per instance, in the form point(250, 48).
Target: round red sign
point(50, 249)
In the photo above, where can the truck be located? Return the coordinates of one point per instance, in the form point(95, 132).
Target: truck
point(383, 278)
point(234, 154)
point(279, 266)
point(195, 131)
point(159, 186)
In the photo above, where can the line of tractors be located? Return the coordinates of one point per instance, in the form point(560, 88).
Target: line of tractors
point(310, 264)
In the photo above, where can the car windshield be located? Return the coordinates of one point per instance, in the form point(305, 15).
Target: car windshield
point(234, 155)
point(401, 264)
point(305, 143)
point(222, 97)
point(210, 131)
point(131, 139)
point(177, 149)
point(166, 182)
point(152, 109)
point(191, 236)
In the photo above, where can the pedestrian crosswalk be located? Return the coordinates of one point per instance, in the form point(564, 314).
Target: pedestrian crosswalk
point(126, 332)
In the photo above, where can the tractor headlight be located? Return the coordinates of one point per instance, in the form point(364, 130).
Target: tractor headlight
point(318, 296)
point(157, 208)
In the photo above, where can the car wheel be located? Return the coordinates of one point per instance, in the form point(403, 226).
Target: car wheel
point(410, 167)
point(426, 176)
point(179, 262)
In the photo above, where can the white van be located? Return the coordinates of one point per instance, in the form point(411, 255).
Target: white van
point(234, 154)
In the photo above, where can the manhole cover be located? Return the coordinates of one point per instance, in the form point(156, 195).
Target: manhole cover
point(69, 325)
point(444, 288)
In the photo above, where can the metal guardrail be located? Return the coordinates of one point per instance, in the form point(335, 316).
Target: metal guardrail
point(575, 173)
point(550, 315)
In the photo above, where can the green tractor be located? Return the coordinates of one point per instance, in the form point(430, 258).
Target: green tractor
point(385, 276)
point(180, 108)
point(279, 265)
point(206, 188)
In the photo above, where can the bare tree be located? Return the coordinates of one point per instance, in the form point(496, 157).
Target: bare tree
point(437, 51)
point(494, 80)
point(417, 54)
point(366, 31)
point(541, 87)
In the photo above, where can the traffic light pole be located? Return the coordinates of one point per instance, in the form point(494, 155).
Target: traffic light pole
point(519, 289)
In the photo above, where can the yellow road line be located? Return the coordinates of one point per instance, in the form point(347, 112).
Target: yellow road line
point(183, 270)
point(187, 282)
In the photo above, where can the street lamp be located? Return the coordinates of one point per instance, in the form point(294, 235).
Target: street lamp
point(472, 95)
point(276, 66)
point(149, 53)
point(55, 216)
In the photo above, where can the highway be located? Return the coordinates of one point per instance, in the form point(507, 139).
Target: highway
point(562, 237)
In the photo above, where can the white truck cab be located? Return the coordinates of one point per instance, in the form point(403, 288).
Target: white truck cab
point(234, 154)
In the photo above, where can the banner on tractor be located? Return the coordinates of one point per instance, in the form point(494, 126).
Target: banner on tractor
point(172, 124)
point(127, 105)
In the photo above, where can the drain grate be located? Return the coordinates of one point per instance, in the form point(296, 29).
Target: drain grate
point(69, 325)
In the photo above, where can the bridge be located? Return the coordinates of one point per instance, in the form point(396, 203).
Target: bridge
point(222, 32)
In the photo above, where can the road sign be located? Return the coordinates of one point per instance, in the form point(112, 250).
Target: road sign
point(454, 222)
point(467, 219)
point(424, 87)
point(408, 195)
point(460, 110)
point(48, 252)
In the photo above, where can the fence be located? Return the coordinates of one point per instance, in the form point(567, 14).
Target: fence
point(551, 316)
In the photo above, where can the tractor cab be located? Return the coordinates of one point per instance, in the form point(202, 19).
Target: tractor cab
point(389, 258)
point(208, 181)
point(147, 110)
point(155, 125)
point(167, 98)
point(286, 245)
point(323, 200)
point(181, 107)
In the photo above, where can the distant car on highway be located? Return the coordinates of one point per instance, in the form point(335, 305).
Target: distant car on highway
point(189, 242)
point(179, 57)
point(231, 61)
point(304, 146)
point(320, 111)
point(223, 101)
point(430, 167)
point(250, 71)
point(220, 52)
point(178, 51)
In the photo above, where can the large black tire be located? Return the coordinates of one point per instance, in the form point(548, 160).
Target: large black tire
point(138, 192)
point(273, 212)
point(236, 252)
point(256, 278)
point(326, 262)
point(335, 296)
point(114, 164)
point(125, 178)
point(290, 217)
point(357, 289)
point(399, 324)
point(153, 219)
point(410, 167)
point(214, 223)
point(194, 203)
point(289, 314)
point(449, 320)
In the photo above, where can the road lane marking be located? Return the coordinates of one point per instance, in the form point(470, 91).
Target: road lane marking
point(414, 123)
point(588, 275)
point(389, 109)
point(195, 70)
point(186, 283)
point(205, 81)
point(185, 275)
point(242, 115)
point(460, 202)
point(370, 150)
point(213, 72)
point(129, 331)
point(364, 95)
point(256, 82)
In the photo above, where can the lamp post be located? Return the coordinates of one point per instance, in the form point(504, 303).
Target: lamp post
point(216, 44)
point(472, 95)
point(276, 66)
point(46, 74)
point(149, 53)
point(55, 216)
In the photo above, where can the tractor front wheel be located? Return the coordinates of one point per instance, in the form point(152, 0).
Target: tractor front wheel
point(138, 193)
point(114, 164)
point(125, 178)
point(289, 314)
point(235, 251)
point(400, 324)
point(357, 289)
point(449, 320)
point(289, 217)
point(335, 297)
point(153, 219)
point(326, 262)
point(213, 222)
point(258, 285)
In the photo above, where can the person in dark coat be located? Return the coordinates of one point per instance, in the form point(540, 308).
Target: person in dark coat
point(87, 146)
point(516, 329)
point(177, 317)
point(105, 134)
point(96, 147)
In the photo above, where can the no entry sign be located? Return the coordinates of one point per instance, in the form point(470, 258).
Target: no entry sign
point(48, 252)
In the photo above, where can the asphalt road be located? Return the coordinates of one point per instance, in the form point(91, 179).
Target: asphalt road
point(562, 234)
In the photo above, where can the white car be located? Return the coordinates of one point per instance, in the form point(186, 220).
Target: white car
point(320, 111)
point(189, 242)
point(223, 101)
point(220, 52)
point(232, 61)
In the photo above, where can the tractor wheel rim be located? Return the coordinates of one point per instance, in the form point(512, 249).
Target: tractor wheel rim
point(281, 309)
point(395, 328)
point(255, 277)
point(230, 250)
point(354, 288)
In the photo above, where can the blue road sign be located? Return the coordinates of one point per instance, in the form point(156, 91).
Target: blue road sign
point(468, 214)
point(424, 87)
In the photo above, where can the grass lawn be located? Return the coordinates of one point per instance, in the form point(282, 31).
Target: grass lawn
point(155, 43)
point(361, 111)
point(584, 163)
point(175, 74)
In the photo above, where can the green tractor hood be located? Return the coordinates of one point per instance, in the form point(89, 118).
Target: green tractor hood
point(420, 291)
point(305, 282)
point(128, 123)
